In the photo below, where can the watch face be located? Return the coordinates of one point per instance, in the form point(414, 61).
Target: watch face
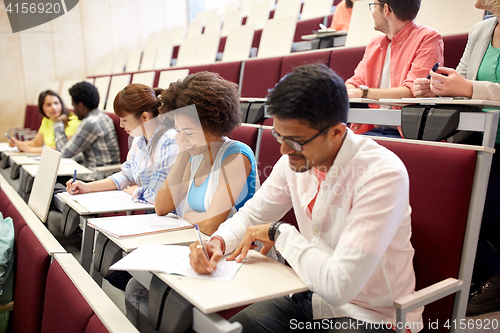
point(363, 87)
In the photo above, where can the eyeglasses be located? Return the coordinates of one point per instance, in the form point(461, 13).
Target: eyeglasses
point(371, 5)
point(295, 145)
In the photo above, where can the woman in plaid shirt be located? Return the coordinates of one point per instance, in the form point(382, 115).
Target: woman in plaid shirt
point(152, 152)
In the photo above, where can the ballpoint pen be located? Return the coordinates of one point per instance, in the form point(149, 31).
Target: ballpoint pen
point(74, 179)
point(203, 246)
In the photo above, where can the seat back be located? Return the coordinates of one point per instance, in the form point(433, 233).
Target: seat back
point(64, 308)
point(254, 83)
point(8, 210)
point(292, 61)
point(454, 47)
point(440, 191)
point(123, 137)
point(245, 134)
point(315, 8)
point(229, 71)
point(32, 265)
point(345, 60)
point(277, 37)
point(32, 118)
point(43, 185)
point(269, 154)
point(75, 303)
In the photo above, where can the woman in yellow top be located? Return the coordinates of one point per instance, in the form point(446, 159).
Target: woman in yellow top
point(52, 108)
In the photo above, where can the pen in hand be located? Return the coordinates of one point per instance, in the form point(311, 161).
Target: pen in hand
point(74, 179)
point(203, 246)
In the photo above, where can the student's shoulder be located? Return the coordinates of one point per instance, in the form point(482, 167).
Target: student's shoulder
point(480, 27)
point(375, 155)
point(239, 147)
point(425, 31)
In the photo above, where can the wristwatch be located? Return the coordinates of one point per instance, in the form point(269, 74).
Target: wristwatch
point(364, 89)
point(276, 229)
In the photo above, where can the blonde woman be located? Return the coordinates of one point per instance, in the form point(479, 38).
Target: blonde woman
point(478, 77)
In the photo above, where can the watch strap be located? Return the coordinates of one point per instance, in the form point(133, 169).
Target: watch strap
point(272, 230)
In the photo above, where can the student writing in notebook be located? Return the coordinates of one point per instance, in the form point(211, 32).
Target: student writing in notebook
point(153, 150)
point(213, 175)
point(478, 77)
point(52, 108)
point(351, 200)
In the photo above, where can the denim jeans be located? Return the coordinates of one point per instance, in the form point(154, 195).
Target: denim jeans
point(294, 314)
point(137, 307)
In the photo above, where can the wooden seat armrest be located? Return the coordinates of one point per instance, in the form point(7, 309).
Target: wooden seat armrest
point(428, 295)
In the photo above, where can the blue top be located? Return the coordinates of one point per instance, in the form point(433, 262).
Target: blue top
point(196, 194)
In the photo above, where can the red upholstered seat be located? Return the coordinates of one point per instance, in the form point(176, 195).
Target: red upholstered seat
point(29, 286)
point(330, 18)
point(201, 68)
point(123, 137)
point(95, 325)
point(64, 308)
point(256, 38)
point(344, 61)
point(259, 76)
point(306, 27)
point(228, 70)
point(175, 52)
point(222, 44)
point(454, 47)
point(32, 118)
point(292, 61)
point(8, 210)
point(247, 135)
point(440, 190)
point(268, 156)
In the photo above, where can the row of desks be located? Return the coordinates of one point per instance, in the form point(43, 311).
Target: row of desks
point(259, 278)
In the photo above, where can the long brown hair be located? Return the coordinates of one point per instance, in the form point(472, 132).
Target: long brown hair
point(41, 101)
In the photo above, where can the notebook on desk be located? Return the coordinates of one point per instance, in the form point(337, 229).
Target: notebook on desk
point(134, 225)
point(107, 201)
point(174, 260)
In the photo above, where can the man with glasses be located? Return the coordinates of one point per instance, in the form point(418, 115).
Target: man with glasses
point(392, 61)
point(351, 199)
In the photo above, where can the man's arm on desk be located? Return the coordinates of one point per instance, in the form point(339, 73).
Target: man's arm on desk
point(375, 93)
point(251, 222)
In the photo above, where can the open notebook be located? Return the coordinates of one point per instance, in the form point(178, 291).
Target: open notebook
point(107, 201)
point(133, 225)
point(172, 259)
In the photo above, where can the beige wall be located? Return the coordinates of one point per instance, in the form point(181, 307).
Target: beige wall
point(70, 46)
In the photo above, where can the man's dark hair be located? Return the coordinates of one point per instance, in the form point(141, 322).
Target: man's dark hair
point(311, 93)
point(86, 93)
point(405, 10)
